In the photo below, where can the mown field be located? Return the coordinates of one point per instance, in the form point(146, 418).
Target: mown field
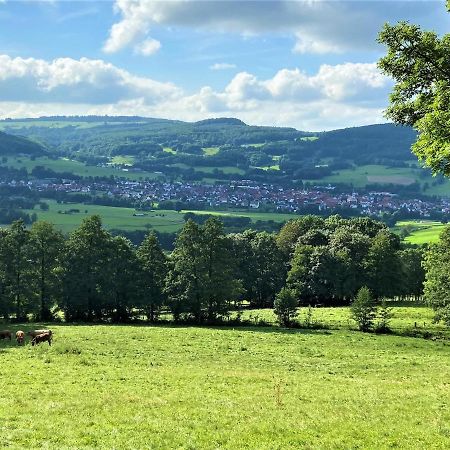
point(122, 218)
point(161, 387)
point(421, 231)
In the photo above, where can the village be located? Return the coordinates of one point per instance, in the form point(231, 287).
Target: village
point(242, 194)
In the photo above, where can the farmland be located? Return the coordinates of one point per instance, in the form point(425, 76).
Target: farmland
point(421, 231)
point(250, 387)
point(68, 216)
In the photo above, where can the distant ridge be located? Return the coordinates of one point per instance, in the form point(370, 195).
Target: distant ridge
point(11, 145)
point(221, 121)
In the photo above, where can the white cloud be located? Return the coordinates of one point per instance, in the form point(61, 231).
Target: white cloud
point(76, 81)
point(148, 47)
point(319, 26)
point(222, 66)
point(335, 96)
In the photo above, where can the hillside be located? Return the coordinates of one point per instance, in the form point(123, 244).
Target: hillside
point(224, 149)
point(16, 145)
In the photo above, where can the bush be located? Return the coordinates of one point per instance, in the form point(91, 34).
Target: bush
point(363, 309)
point(384, 317)
point(285, 307)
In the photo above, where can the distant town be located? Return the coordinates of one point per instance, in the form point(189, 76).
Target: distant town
point(242, 194)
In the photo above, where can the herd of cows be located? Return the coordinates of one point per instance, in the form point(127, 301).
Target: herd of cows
point(37, 336)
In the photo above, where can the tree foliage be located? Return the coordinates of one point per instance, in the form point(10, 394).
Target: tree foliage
point(419, 63)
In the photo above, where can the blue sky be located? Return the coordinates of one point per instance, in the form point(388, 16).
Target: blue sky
point(309, 64)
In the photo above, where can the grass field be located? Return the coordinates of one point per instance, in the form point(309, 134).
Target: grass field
point(122, 218)
point(113, 217)
point(128, 387)
point(75, 167)
point(371, 174)
point(421, 231)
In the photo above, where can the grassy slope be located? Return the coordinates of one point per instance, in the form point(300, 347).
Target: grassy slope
point(370, 174)
point(75, 167)
point(177, 387)
point(424, 231)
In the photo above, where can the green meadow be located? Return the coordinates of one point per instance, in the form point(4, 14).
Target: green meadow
point(161, 387)
point(77, 167)
point(65, 217)
point(377, 174)
point(421, 231)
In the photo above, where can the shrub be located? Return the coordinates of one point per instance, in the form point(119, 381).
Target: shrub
point(384, 316)
point(285, 307)
point(363, 309)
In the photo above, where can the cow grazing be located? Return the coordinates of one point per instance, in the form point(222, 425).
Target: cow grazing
point(42, 338)
point(5, 334)
point(20, 337)
point(35, 333)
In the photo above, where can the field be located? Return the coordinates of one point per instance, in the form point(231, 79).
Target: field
point(371, 174)
point(162, 387)
point(76, 167)
point(122, 218)
point(421, 231)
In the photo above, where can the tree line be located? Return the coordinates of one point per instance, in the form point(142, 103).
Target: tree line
point(92, 275)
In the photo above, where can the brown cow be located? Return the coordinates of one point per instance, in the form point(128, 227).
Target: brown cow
point(5, 334)
point(42, 338)
point(20, 337)
point(34, 333)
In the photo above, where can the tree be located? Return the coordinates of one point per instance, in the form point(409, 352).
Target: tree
point(260, 266)
point(153, 271)
point(201, 282)
point(123, 284)
point(86, 271)
point(437, 277)
point(363, 309)
point(413, 273)
point(418, 61)
point(16, 258)
point(285, 306)
point(46, 244)
point(184, 283)
point(383, 266)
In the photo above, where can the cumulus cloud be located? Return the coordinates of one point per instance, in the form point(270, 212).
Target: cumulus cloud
point(319, 26)
point(76, 81)
point(222, 66)
point(335, 96)
point(148, 47)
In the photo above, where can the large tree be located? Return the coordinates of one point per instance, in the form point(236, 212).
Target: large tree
point(201, 282)
point(46, 244)
point(153, 271)
point(437, 277)
point(419, 62)
point(87, 271)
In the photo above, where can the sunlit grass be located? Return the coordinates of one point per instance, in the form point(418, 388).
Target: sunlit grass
point(207, 388)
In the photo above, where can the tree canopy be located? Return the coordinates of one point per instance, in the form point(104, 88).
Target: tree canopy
point(419, 62)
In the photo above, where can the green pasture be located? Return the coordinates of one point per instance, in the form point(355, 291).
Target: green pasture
point(122, 218)
point(377, 174)
point(209, 151)
point(125, 160)
point(161, 387)
point(113, 217)
point(420, 231)
point(75, 167)
point(210, 170)
point(410, 319)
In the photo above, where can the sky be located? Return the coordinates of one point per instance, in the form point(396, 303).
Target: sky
point(308, 64)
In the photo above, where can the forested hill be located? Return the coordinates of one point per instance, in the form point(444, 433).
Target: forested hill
point(228, 149)
point(15, 145)
point(106, 136)
point(364, 144)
